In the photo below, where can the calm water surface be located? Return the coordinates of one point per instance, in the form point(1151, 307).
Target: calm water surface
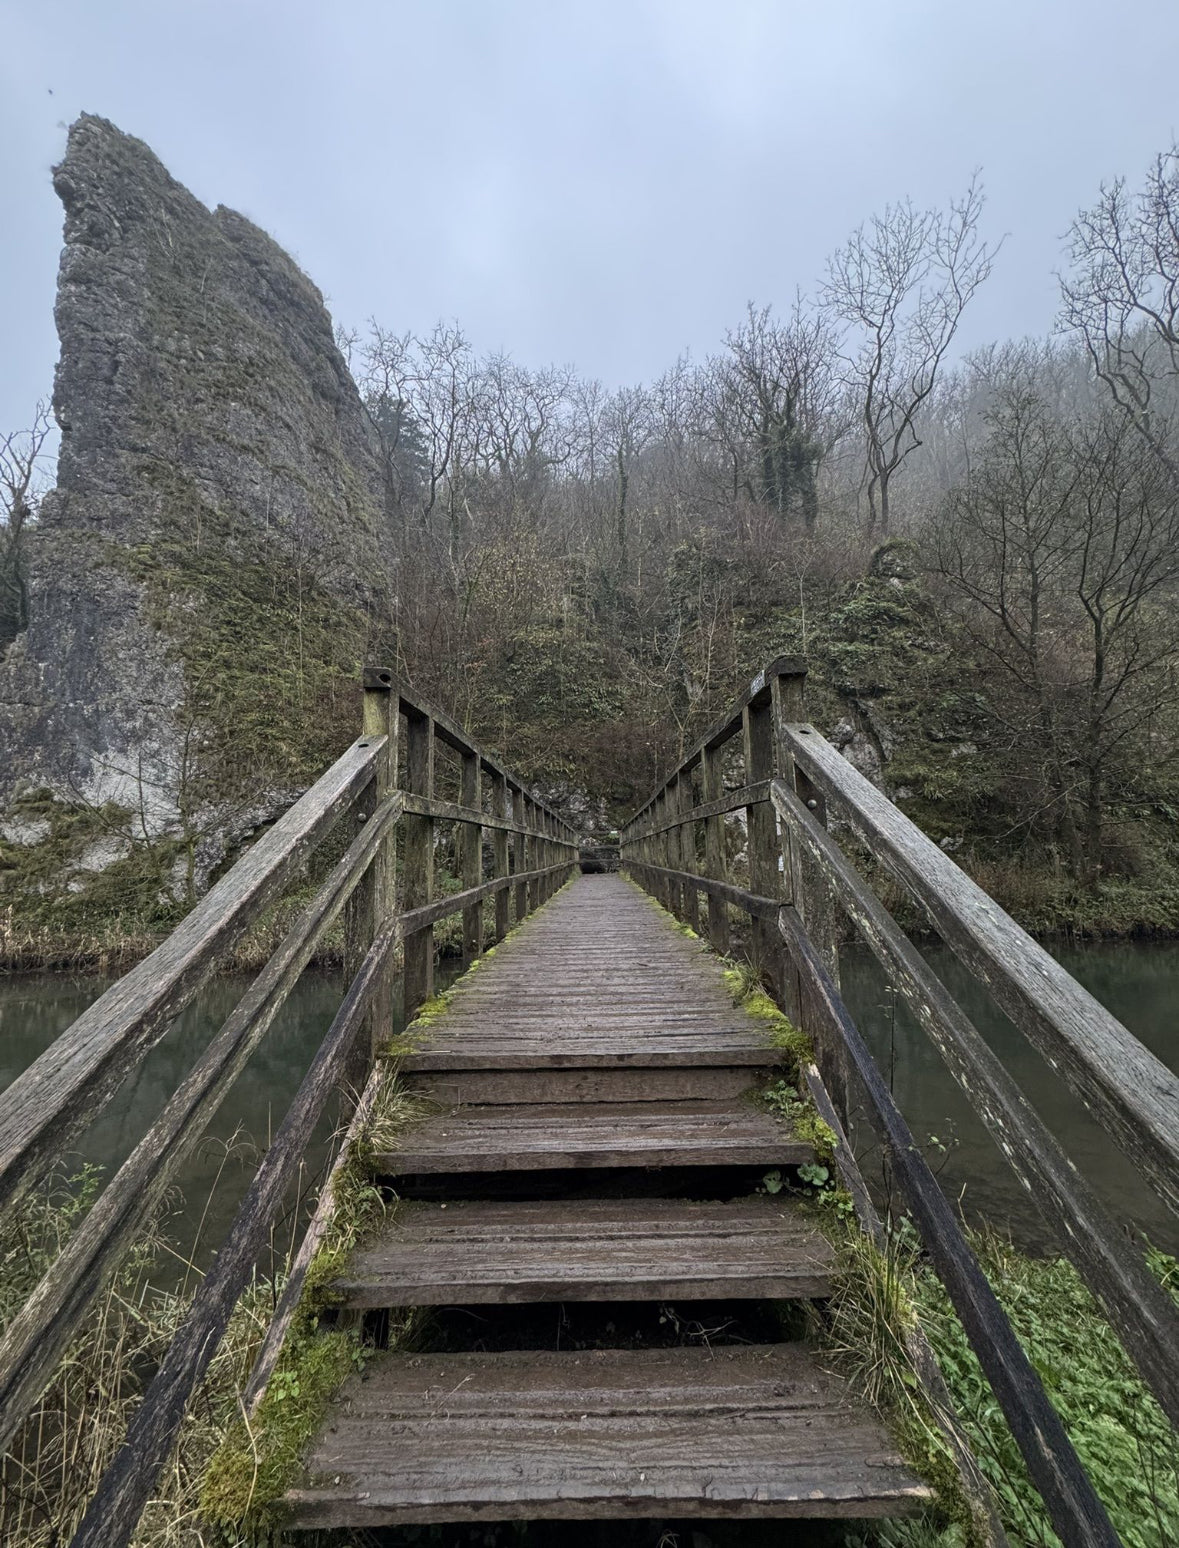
point(36, 1009)
point(1138, 982)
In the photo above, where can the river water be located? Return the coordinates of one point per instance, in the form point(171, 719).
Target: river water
point(1138, 982)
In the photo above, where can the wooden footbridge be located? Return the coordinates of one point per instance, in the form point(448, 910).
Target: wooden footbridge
point(581, 1124)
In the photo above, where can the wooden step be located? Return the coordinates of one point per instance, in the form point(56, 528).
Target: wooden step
point(635, 1042)
point(589, 1250)
point(723, 1432)
point(450, 1088)
point(545, 1135)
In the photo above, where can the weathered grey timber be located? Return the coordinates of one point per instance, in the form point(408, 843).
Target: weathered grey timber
point(35, 1339)
point(62, 1091)
point(1114, 1074)
point(603, 1250)
point(1074, 1506)
point(593, 1071)
point(522, 1138)
point(810, 887)
point(599, 981)
point(128, 1481)
point(599, 995)
point(760, 1431)
point(1138, 1307)
point(70, 1084)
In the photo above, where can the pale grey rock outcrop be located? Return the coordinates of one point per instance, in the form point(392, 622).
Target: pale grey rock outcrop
point(207, 419)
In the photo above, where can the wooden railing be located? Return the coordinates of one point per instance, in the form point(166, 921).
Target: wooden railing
point(378, 789)
point(798, 894)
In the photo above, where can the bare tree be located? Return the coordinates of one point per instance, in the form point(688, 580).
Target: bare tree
point(1122, 297)
point(779, 389)
point(21, 457)
point(902, 283)
point(1064, 539)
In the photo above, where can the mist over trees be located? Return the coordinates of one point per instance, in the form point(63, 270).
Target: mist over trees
point(978, 555)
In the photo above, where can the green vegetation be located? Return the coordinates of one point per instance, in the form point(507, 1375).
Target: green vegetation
point(259, 1457)
point(745, 985)
point(1123, 1439)
point(57, 1457)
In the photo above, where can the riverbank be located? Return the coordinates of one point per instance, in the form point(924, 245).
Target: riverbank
point(1050, 907)
point(108, 947)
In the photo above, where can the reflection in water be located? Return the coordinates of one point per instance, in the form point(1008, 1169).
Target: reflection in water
point(1137, 981)
point(210, 1184)
point(33, 1011)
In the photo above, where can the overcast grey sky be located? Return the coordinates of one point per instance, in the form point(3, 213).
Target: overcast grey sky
point(602, 183)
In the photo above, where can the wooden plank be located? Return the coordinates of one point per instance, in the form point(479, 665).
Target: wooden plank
point(756, 905)
point(374, 900)
point(457, 811)
point(736, 800)
point(519, 853)
point(1073, 1506)
point(753, 1431)
point(421, 919)
point(36, 1338)
point(552, 1134)
point(598, 980)
point(1141, 1312)
point(715, 860)
point(686, 857)
point(602, 1054)
point(127, 1483)
point(44, 1109)
point(631, 1084)
point(762, 833)
point(588, 1250)
point(1133, 1094)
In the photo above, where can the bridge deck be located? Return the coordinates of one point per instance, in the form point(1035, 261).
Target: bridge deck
point(597, 1061)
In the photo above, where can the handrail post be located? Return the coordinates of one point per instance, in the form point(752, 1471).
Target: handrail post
point(671, 845)
point(472, 857)
point(519, 849)
point(499, 851)
point(660, 845)
point(715, 863)
point(687, 851)
point(532, 896)
point(419, 858)
point(757, 724)
point(804, 884)
point(373, 901)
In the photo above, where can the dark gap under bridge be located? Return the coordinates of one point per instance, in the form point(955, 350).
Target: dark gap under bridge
point(588, 1133)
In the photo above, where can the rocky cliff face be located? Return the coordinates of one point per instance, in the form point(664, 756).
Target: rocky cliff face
point(209, 570)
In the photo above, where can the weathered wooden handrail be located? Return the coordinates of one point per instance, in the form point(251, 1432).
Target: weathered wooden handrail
point(1141, 1312)
point(1132, 1092)
point(46, 1107)
point(1073, 1506)
point(126, 1485)
point(37, 1337)
point(800, 880)
point(70, 1083)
